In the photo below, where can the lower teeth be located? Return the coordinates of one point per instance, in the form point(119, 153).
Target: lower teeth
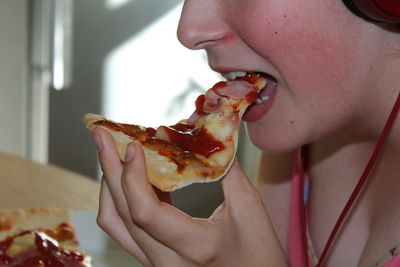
point(261, 99)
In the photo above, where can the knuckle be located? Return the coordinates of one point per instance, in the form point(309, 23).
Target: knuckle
point(126, 180)
point(120, 211)
point(207, 254)
point(258, 199)
point(205, 257)
point(143, 217)
point(163, 263)
point(102, 221)
point(252, 197)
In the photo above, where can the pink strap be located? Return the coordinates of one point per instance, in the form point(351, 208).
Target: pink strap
point(297, 248)
point(362, 180)
point(393, 262)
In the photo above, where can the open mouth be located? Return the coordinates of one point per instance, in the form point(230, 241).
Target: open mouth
point(265, 93)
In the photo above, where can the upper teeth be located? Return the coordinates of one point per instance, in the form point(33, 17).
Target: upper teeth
point(234, 75)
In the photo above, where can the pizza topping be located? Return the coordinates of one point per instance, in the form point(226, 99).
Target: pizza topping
point(4, 245)
point(245, 87)
point(211, 101)
point(136, 132)
point(236, 89)
point(36, 248)
point(264, 93)
point(200, 104)
point(63, 233)
point(181, 141)
point(174, 153)
point(197, 141)
point(5, 225)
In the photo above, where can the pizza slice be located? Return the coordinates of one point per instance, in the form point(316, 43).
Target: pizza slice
point(39, 237)
point(199, 149)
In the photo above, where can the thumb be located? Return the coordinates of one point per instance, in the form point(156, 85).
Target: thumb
point(236, 184)
point(243, 200)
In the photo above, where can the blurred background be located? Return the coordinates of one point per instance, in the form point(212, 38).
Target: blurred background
point(60, 59)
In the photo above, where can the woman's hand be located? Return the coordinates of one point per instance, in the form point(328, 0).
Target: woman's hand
point(239, 233)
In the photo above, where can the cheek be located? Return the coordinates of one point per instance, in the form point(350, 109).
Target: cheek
point(315, 62)
point(310, 51)
point(312, 67)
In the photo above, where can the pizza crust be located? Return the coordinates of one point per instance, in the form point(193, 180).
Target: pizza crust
point(162, 172)
point(121, 139)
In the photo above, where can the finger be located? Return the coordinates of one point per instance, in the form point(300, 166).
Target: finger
point(108, 156)
point(249, 214)
point(236, 184)
point(239, 194)
point(162, 221)
point(241, 198)
point(149, 252)
point(113, 169)
point(109, 220)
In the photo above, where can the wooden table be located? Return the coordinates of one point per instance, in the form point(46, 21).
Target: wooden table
point(26, 184)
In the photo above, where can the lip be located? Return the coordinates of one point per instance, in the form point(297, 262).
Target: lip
point(256, 111)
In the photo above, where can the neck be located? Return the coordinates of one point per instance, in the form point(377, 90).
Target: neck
point(355, 154)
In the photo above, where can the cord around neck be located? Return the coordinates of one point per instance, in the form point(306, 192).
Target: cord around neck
point(361, 182)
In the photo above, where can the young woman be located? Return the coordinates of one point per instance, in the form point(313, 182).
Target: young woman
point(336, 78)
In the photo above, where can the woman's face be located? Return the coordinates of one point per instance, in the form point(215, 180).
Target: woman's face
point(315, 50)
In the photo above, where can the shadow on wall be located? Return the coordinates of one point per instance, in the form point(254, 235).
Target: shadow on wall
point(97, 30)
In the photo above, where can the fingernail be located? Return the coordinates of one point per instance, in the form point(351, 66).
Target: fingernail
point(130, 152)
point(98, 142)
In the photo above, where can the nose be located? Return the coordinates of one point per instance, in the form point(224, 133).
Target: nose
point(200, 25)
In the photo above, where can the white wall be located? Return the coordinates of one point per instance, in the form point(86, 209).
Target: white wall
point(13, 70)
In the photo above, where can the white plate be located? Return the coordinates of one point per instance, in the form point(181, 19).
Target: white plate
point(104, 251)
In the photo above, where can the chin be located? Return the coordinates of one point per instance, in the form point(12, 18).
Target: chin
point(276, 142)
